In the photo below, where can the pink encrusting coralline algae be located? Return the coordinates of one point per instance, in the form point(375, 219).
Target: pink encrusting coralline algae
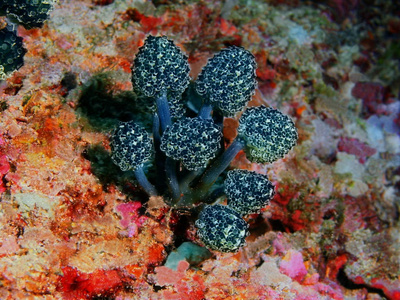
point(131, 219)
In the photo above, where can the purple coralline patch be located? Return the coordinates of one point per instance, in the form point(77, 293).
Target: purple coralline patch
point(4, 168)
point(372, 95)
point(355, 147)
point(293, 266)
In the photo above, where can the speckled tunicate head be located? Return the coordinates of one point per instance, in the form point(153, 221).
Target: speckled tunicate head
point(176, 104)
point(11, 51)
point(228, 80)
point(131, 146)
point(221, 228)
point(194, 141)
point(160, 66)
point(247, 191)
point(267, 133)
point(29, 13)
